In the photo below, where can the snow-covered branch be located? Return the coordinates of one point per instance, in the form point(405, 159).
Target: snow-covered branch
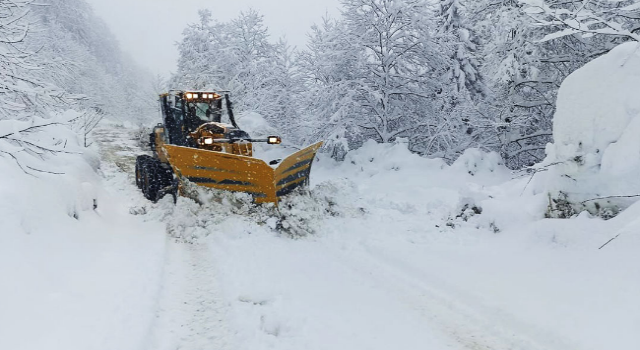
point(589, 18)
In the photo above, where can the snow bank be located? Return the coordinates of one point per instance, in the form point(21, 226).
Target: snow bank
point(596, 128)
point(257, 127)
point(45, 186)
point(379, 158)
point(482, 164)
point(374, 158)
point(255, 124)
point(73, 276)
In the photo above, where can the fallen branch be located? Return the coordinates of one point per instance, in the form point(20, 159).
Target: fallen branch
point(18, 162)
point(595, 199)
point(44, 171)
point(43, 148)
point(620, 232)
point(30, 128)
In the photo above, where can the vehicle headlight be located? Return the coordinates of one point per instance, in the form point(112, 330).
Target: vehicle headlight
point(207, 140)
point(274, 140)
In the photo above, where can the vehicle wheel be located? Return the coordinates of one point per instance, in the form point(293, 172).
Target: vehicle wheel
point(166, 176)
point(138, 173)
point(150, 183)
point(140, 164)
point(166, 185)
point(143, 182)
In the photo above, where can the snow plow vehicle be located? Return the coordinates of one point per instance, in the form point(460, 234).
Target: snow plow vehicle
point(193, 144)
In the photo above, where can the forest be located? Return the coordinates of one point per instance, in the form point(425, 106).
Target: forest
point(442, 76)
point(57, 56)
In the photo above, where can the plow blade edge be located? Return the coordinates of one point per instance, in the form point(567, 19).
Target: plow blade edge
point(237, 173)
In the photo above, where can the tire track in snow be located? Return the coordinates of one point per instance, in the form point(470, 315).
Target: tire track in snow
point(464, 318)
point(189, 315)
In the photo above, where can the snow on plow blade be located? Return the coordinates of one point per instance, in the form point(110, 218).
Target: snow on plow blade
point(237, 173)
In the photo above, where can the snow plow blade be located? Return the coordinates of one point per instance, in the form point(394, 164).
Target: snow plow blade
point(238, 173)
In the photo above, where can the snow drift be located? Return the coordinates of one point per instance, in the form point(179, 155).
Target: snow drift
point(596, 150)
point(73, 276)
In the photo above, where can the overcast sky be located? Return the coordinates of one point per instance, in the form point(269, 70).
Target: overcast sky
point(148, 29)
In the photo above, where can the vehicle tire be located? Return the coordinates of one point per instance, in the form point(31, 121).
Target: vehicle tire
point(143, 175)
point(138, 173)
point(150, 181)
point(140, 164)
point(166, 182)
point(166, 177)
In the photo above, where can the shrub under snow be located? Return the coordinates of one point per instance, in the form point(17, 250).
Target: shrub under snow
point(47, 175)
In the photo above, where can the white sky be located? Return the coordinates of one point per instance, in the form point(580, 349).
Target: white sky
point(148, 29)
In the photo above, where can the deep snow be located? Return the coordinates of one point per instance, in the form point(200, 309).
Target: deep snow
point(397, 259)
point(393, 262)
point(596, 145)
point(74, 277)
point(388, 250)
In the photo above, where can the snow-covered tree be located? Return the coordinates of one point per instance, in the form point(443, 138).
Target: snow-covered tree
point(399, 77)
point(464, 69)
point(588, 18)
point(523, 68)
point(330, 67)
point(80, 55)
point(26, 101)
point(23, 94)
point(281, 94)
point(380, 73)
point(515, 116)
point(237, 56)
point(196, 68)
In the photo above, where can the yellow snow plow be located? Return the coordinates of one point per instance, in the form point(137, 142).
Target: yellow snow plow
point(240, 173)
point(193, 144)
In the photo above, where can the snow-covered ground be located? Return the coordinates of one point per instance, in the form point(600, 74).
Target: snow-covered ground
point(73, 277)
point(391, 266)
point(388, 265)
point(388, 251)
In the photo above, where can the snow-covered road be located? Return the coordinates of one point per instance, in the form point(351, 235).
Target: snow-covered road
point(398, 258)
point(190, 313)
point(391, 266)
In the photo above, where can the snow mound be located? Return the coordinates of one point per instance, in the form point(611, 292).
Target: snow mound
point(597, 106)
point(375, 158)
point(205, 211)
point(255, 125)
point(80, 273)
point(387, 158)
point(596, 126)
point(477, 162)
point(59, 182)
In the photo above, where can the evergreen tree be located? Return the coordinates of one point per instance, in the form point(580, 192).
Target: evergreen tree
point(464, 66)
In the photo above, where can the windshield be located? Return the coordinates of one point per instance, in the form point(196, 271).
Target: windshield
point(204, 111)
